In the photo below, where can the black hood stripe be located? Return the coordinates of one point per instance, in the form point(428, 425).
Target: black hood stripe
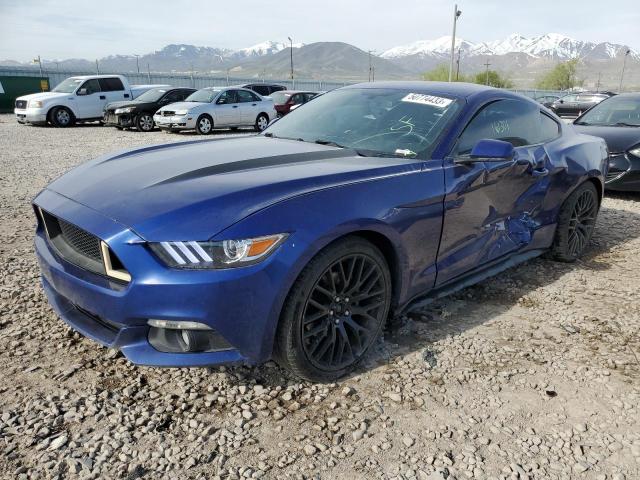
point(261, 162)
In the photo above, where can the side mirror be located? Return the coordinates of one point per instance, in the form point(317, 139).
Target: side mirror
point(221, 101)
point(560, 101)
point(82, 91)
point(489, 150)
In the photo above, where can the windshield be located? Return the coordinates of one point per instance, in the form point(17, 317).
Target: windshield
point(380, 121)
point(68, 86)
point(280, 98)
point(205, 95)
point(152, 95)
point(618, 110)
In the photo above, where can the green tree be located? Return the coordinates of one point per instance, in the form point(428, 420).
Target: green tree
point(441, 74)
point(493, 79)
point(561, 77)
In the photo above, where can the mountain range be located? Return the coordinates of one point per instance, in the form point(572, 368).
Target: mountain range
point(523, 59)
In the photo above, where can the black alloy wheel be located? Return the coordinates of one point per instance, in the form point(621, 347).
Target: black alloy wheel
point(576, 223)
point(335, 311)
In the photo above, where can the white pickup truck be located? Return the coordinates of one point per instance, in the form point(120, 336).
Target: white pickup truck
point(76, 99)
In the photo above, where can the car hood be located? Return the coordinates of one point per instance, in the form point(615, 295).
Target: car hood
point(44, 96)
point(182, 106)
point(619, 139)
point(128, 103)
point(194, 190)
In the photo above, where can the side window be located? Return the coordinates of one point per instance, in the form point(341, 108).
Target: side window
point(256, 98)
point(228, 96)
point(296, 99)
point(261, 89)
point(244, 96)
point(308, 96)
point(91, 86)
point(513, 121)
point(111, 84)
point(174, 96)
point(549, 129)
point(185, 93)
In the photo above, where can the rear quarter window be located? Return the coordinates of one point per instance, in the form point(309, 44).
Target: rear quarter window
point(110, 84)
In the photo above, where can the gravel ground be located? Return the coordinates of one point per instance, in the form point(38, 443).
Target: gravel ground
point(533, 374)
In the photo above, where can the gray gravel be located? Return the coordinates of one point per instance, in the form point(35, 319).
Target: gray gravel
point(534, 374)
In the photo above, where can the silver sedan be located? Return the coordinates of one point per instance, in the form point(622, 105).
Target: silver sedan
point(217, 107)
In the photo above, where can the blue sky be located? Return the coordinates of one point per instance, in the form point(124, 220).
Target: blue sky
point(69, 28)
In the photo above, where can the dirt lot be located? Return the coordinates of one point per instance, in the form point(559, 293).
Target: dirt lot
point(533, 374)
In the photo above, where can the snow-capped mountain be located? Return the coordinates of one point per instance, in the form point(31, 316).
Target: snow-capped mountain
point(265, 48)
point(550, 45)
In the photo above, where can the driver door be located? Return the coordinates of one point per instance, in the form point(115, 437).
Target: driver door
point(491, 207)
point(88, 100)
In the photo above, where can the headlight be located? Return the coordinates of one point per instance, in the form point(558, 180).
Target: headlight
point(635, 151)
point(224, 254)
point(181, 112)
point(124, 110)
point(35, 104)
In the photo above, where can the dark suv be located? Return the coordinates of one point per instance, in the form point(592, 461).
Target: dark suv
point(264, 89)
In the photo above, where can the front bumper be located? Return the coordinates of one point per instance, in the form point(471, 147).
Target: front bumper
point(31, 115)
point(242, 305)
point(176, 122)
point(623, 173)
point(123, 120)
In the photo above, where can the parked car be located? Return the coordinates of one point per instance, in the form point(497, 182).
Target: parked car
point(264, 89)
point(76, 99)
point(617, 121)
point(547, 100)
point(286, 99)
point(139, 113)
point(300, 242)
point(217, 107)
point(575, 104)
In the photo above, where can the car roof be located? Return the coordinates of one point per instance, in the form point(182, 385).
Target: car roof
point(455, 89)
point(89, 77)
point(292, 92)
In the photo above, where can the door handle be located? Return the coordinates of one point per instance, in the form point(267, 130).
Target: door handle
point(253, 104)
point(102, 97)
point(126, 95)
point(235, 106)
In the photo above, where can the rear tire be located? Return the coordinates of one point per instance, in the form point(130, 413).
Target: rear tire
point(144, 122)
point(61, 117)
point(576, 222)
point(334, 311)
point(262, 121)
point(204, 125)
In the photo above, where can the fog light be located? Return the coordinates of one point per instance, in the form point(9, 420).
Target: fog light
point(170, 338)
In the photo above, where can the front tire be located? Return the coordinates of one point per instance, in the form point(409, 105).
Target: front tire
point(204, 125)
point(61, 117)
point(144, 122)
point(262, 122)
point(576, 222)
point(334, 311)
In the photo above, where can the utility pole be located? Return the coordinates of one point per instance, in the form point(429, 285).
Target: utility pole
point(97, 67)
point(149, 73)
point(227, 77)
point(369, 65)
point(624, 64)
point(291, 51)
point(458, 65)
point(137, 62)
point(39, 62)
point(486, 64)
point(598, 84)
point(456, 14)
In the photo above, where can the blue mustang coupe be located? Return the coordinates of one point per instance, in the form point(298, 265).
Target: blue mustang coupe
point(297, 244)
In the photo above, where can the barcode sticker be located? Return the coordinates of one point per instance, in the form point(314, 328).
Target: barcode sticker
point(431, 100)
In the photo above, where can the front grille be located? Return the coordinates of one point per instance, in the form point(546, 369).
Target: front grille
point(81, 241)
point(74, 244)
point(168, 113)
point(21, 104)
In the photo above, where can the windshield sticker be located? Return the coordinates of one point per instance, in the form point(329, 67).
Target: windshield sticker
point(431, 100)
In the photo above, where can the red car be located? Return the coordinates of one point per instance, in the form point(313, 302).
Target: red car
point(286, 99)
